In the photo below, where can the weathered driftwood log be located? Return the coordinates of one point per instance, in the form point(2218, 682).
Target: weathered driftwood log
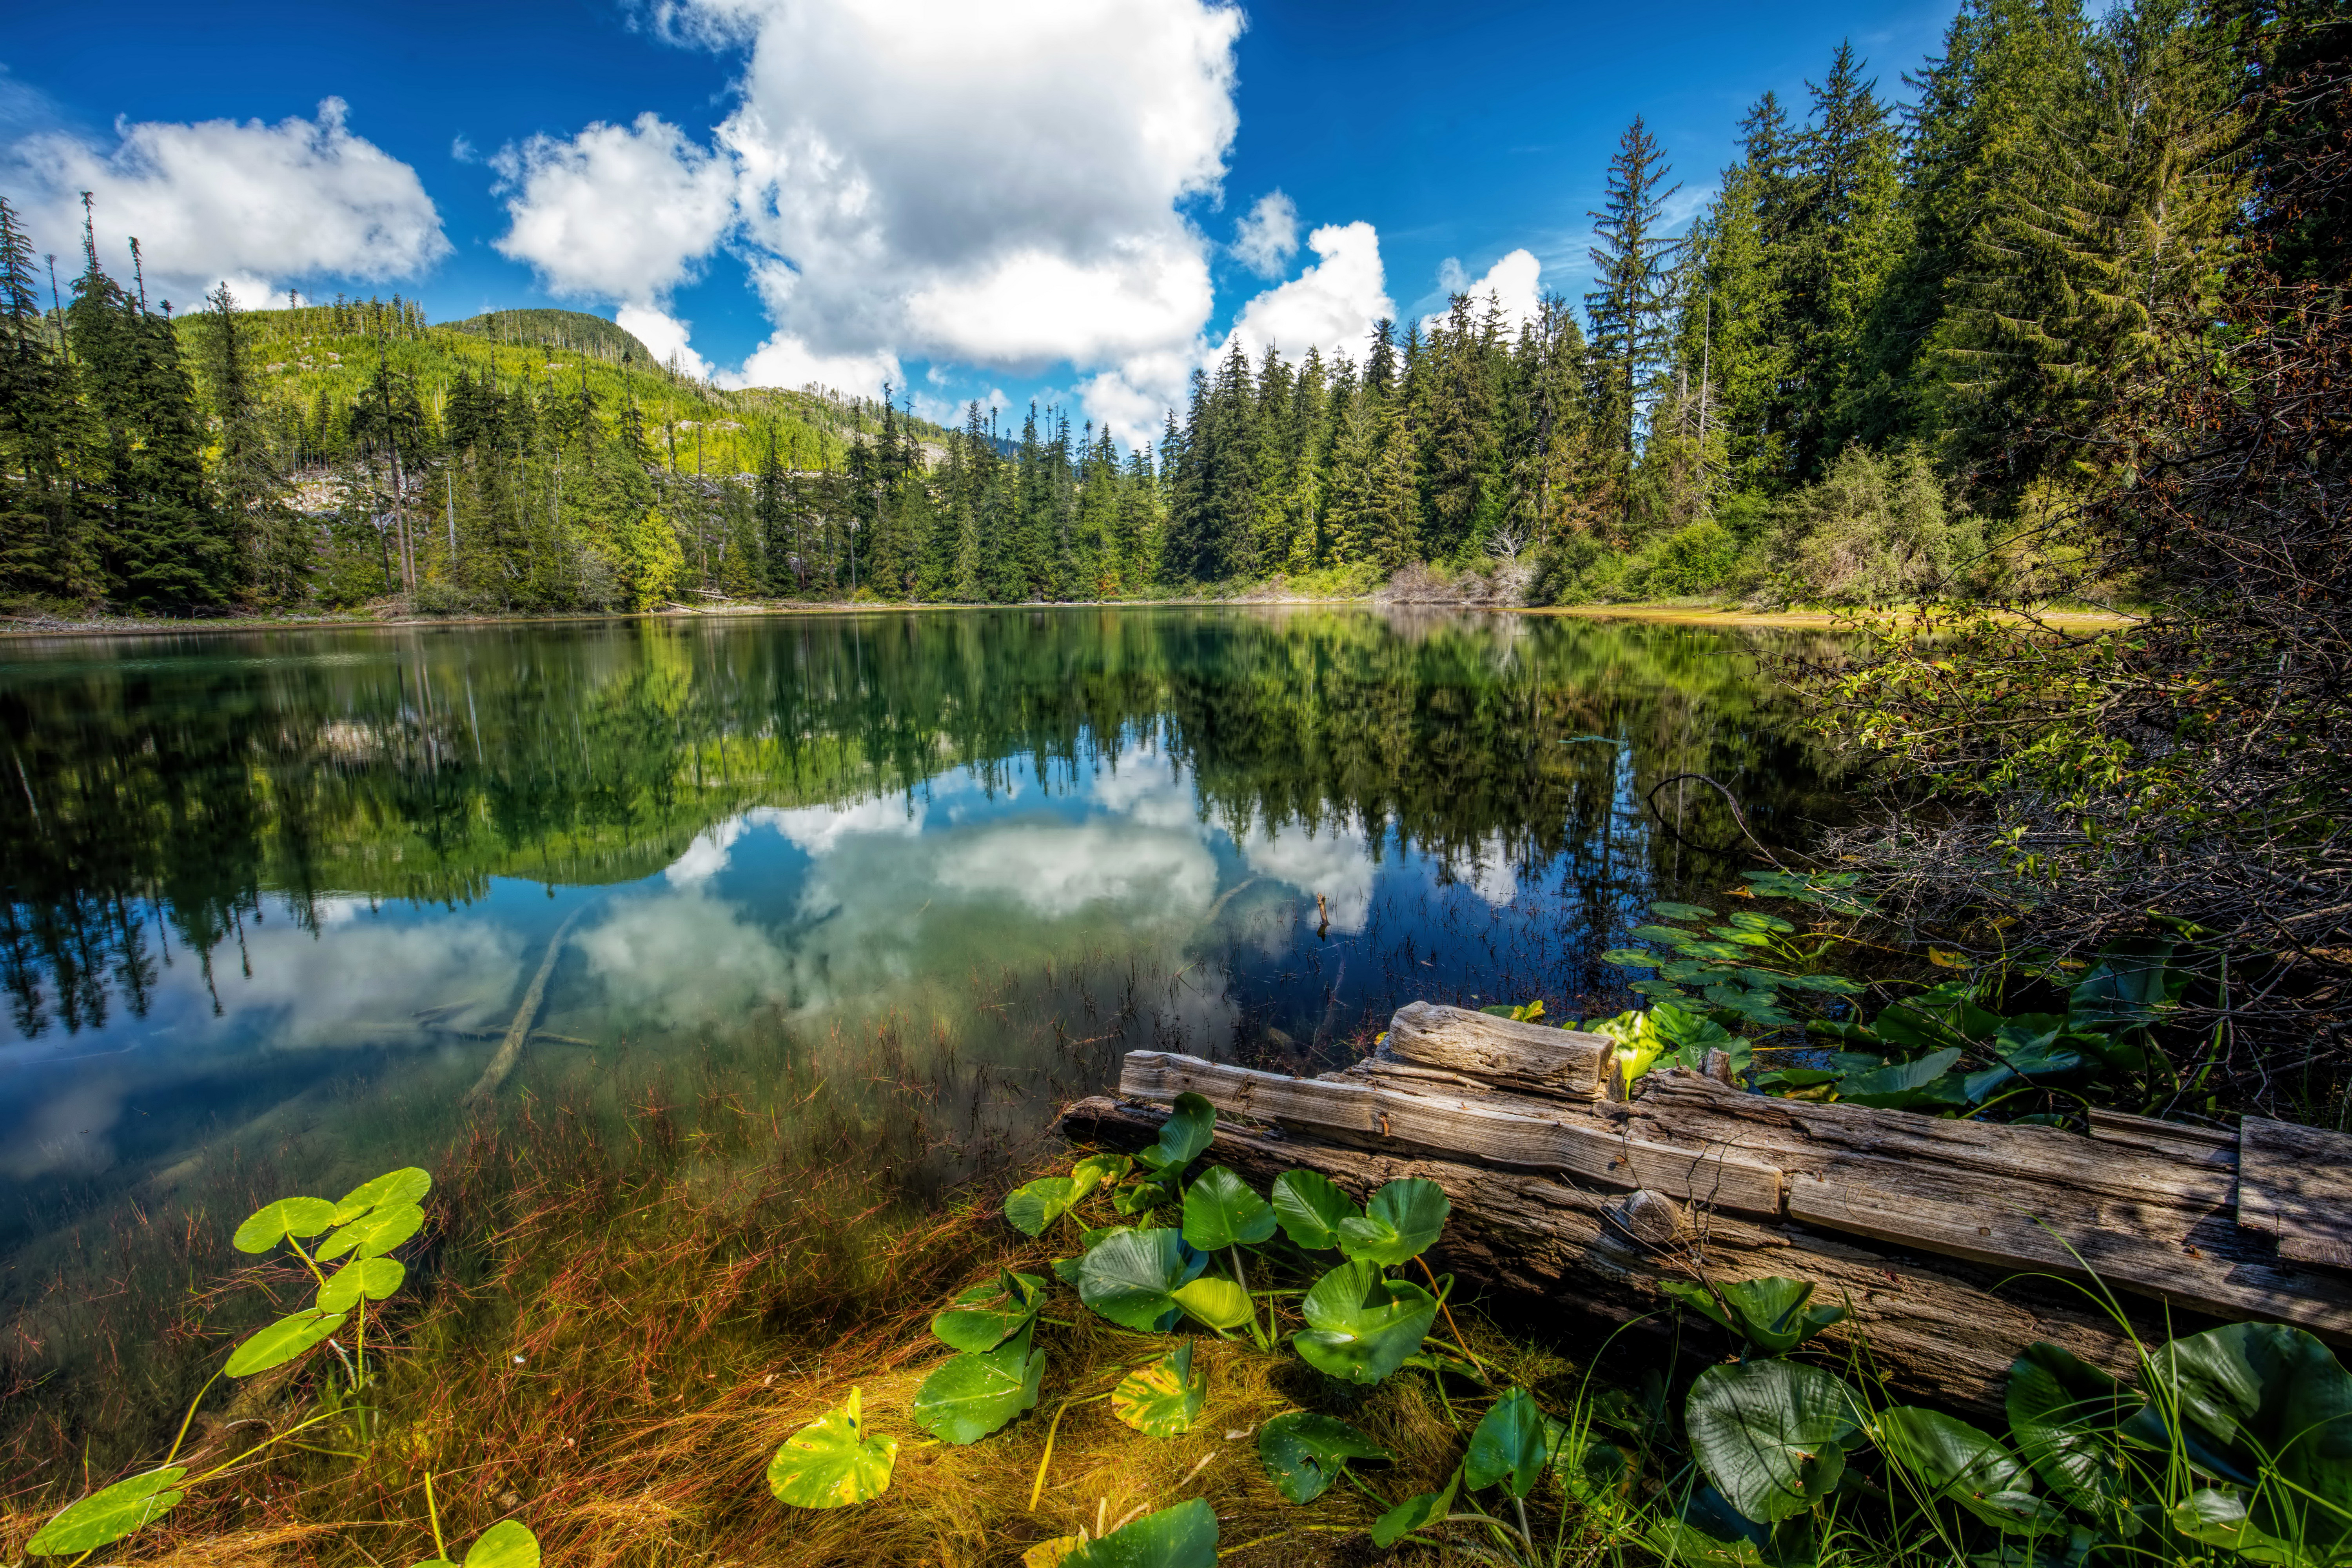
point(1954, 1242)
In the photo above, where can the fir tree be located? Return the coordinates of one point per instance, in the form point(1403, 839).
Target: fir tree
point(1628, 306)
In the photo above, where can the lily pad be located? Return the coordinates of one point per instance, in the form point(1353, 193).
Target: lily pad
point(373, 1234)
point(1672, 911)
point(109, 1514)
point(1131, 1276)
point(1361, 1325)
point(1956, 1461)
point(1220, 1211)
point(1412, 1513)
point(1030, 1207)
point(1182, 1136)
point(972, 1395)
point(1184, 1536)
point(1163, 1399)
point(505, 1544)
point(1398, 1225)
point(1304, 1452)
point(273, 1223)
point(2063, 1414)
point(1770, 1313)
point(831, 1462)
point(406, 1185)
point(1509, 1447)
point(1099, 1171)
point(281, 1342)
point(1771, 1435)
point(988, 1314)
point(1215, 1300)
point(1309, 1208)
point(373, 1277)
point(1630, 957)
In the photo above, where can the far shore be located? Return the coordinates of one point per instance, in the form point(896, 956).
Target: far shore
point(1697, 615)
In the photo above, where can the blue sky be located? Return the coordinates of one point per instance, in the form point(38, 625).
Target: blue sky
point(1079, 200)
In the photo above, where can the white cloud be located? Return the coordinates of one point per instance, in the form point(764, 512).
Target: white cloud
point(706, 856)
point(1059, 871)
point(257, 205)
point(664, 334)
point(816, 829)
point(1331, 306)
point(1335, 861)
point(617, 212)
point(1512, 283)
point(1267, 236)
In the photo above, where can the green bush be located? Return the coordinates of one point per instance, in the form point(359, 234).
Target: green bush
point(1696, 559)
point(1875, 530)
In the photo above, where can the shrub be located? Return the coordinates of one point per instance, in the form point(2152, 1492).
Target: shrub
point(1694, 559)
point(1876, 530)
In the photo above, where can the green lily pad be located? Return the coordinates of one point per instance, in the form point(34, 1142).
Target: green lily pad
point(1770, 1313)
point(1398, 1224)
point(1630, 957)
point(505, 1544)
point(972, 1395)
point(1182, 1136)
point(1099, 1171)
point(109, 1514)
point(1771, 1435)
point(373, 1234)
point(1222, 1211)
point(1957, 1462)
point(1130, 1277)
point(1310, 1206)
point(2063, 1414)
point(1674, 911)
point(1412, 1513)
point(831, 1462)
point(988, 1314)
point(406, 1185)
point(281, 1342)
point(1215, 1300)
point(1304, 1452)
point(1509, 1447)
point(1184, 1536)
point(1163, 1399)
point(273, 1223)
point(373, 1277)
point(1030, 1207)
point(1361, 1325)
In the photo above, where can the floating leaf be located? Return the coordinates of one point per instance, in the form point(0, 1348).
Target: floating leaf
point(972, 1395)
point(1412, 1513)
point(1144, 1195)
point(1163, 1399)
point(1748, 920)
point(1304, 1452)
point(1674, 911)
point(406, 1185)
point(986, 1315)
point(1030, 1207)
point(1771, 1435)
point(1398, 1225)
point(1184, 1135)
point(1184, 1536)
point(281, 1342)
point(1099, 1171)
point(2065, 1414)
point(373, 1234)
point(1630, 957)
point(273, 1223)
point(505, 1544)
point(1361, 1325)
point(109, 1514)
point(1130, 1277)
point(1055, 1552)
point(1769, 1313)
point(1508, 1447)
point(1222, 1211)
point(1215, 1300)
point(831, 1462)
point(1902, 1084)
point(1954, 1460)
point(373, 1277)
point(1310, 1206)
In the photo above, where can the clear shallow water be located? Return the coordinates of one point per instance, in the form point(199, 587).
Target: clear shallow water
point(289, 886)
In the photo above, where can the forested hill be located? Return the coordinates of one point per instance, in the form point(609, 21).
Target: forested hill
point(576, 330)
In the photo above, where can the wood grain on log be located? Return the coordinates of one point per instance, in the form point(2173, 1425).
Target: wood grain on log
point(1934, 1329)
point(1527, 1137)
point(1532, 1058)
point(2295, 1183)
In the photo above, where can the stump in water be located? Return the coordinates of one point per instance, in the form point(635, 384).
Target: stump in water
point(1952, 1242)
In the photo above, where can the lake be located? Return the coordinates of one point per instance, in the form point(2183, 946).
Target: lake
point(274, 898)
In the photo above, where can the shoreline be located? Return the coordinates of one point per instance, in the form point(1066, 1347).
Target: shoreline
point(24, 627)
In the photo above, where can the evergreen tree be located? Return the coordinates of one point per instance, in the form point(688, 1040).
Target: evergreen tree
point(1628, 306)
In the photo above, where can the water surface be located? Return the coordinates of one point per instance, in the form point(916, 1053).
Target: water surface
point(289, 886)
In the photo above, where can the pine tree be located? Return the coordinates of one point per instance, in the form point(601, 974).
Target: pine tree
point(45, 542)
point(273, 543)
point(1628, 309)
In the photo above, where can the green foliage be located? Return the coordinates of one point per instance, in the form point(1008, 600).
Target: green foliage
point(1310, 1209)
point(1304, 1452)
point(988, 1314)
point(1771, 1434)
point(109, 1514)
point(1771, 1314)
point(505, 1544)
point(973, 1394)
point(299, 1218)
point(1184, 1536)
point(1510, 1446)
point(1130, 1276)
point(1220, 1211)
point(1163, 1399)
point(1400, 1223)
point(282, 1341)
point(1361, 1325)
point(834, 1462)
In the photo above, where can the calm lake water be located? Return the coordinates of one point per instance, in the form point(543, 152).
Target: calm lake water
point(281, 893)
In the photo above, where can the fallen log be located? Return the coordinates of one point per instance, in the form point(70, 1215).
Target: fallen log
point(1955, 1244)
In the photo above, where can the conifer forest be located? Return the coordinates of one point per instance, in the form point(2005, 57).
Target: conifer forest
point(1920, 326)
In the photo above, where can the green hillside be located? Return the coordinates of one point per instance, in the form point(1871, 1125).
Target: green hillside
point(573, 330)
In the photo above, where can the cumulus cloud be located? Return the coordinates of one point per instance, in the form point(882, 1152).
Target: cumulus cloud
point(257, 205)
point(618, 212)
point(1336, 862)
point(1267, 236)
point(1331, 306)
point(665, 335)
point(1511, 283)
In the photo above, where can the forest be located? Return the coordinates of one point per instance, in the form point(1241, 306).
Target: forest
point(1901, 348)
